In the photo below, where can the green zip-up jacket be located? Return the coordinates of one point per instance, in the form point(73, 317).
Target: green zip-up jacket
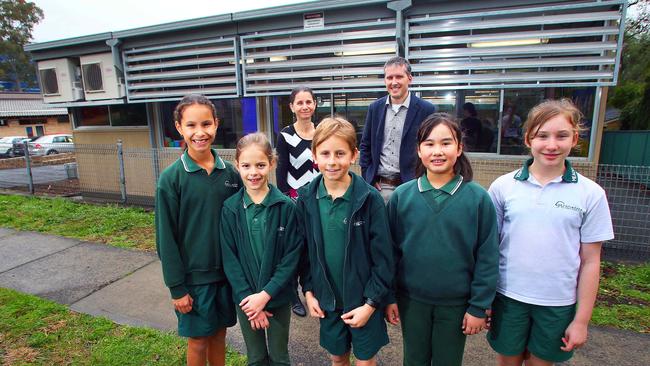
point(447, 253)
point(188, 209)
point(368, 263)
point(282, 247)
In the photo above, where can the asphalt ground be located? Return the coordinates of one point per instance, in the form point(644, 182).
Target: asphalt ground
point(43, 174)
point(126, 286)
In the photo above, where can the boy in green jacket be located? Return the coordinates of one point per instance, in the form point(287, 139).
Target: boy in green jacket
point(347, 269)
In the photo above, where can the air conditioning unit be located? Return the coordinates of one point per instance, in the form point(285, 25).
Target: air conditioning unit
point(60, 81)
point(99, 78)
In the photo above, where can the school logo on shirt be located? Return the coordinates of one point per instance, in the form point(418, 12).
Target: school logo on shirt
point(561, 204)
point(231, 185)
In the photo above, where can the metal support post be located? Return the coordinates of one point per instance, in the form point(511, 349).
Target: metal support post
point(28, 166)
point(120, 159)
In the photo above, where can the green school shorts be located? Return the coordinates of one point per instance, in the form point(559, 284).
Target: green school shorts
point(337, 337)
point(517, 326)
point(213, 309)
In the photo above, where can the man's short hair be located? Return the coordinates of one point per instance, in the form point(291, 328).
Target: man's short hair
point(399, 61)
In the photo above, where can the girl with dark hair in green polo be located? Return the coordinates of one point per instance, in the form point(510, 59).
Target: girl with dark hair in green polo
point(444, 229)
point(260, 253)
point(189, 198)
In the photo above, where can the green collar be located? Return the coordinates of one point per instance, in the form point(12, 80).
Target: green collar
point(450, 187)
point(191, 166)
point(272, 197)
point(569, 176)
point(322, 191)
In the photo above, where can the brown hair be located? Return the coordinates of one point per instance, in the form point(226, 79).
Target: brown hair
point(299, 89)
point(398, 61)
point(334, 126)
point(192, 99)
point(548, 109)
point(258, 139)
point(462, 165)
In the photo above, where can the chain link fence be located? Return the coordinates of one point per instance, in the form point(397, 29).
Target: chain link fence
point(127, 175)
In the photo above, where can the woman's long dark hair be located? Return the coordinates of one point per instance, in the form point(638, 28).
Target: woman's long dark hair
point(462, 166)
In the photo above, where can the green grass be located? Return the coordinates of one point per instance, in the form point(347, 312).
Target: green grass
point(118, 226)
point(34, 331)
point(624, 297)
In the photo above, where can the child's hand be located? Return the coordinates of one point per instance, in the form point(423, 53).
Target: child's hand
point(472, 324)
point(313, 305)
point(184, 304)
point(575, 336)
point(488, 319)
point(253, 304)
point(358, 317)
point(261, 321)
point(392, 314)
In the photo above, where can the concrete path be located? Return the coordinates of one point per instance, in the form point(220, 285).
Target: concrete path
point(126, 286)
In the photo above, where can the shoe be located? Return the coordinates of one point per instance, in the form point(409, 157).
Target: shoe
point(298, 309)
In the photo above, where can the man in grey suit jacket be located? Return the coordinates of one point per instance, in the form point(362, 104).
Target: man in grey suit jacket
point(388, 146)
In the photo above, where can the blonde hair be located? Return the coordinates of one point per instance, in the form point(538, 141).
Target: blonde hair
point(258, 139)
point(334, 126)
point(548, 109)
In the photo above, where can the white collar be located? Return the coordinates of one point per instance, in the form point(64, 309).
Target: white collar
point(396, 107)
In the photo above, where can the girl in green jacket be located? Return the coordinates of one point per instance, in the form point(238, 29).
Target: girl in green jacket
point(260, 253)
point(444, 228)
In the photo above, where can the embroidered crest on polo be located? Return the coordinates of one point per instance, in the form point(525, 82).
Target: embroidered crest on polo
point(231, 185)
point(281, 228)
point(359, 223)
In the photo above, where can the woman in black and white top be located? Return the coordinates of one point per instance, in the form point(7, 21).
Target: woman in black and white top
point(295, 162)
point(296, 166)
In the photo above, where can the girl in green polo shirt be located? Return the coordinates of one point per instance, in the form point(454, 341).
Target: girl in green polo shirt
point(444, 228)
point(189, 198)
point(260, 253)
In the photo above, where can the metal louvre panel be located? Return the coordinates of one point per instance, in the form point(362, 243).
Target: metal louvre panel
point(344, 57)
point(550, 45)
point(169, 71)
point(512, 64)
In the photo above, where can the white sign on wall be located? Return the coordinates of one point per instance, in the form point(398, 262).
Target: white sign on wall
point(314, 20)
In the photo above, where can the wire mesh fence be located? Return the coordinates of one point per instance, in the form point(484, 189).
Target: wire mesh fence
point(115, 173)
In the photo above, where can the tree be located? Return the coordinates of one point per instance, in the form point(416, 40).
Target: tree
point(17, 20)
point(632, 94)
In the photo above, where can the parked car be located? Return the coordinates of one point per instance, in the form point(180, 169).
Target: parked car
point(51, 144)
point(19, 147)
point(7, 144)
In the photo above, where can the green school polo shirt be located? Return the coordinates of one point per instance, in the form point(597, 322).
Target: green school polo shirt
point(440, 195)
point(334, 223)
point(256, 222)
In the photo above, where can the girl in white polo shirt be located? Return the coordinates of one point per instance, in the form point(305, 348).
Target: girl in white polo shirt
point(552, 222)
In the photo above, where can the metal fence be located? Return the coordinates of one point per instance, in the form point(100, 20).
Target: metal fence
point(122, 174)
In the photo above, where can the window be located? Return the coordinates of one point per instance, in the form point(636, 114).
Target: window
point(237, 117)
point(493, 130)
point(111, 116)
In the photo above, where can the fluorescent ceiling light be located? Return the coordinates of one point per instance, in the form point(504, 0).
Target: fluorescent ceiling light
point(277, 58)
point(506, 43)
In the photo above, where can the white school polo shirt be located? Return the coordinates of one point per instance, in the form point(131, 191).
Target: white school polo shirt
point(541, 229)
